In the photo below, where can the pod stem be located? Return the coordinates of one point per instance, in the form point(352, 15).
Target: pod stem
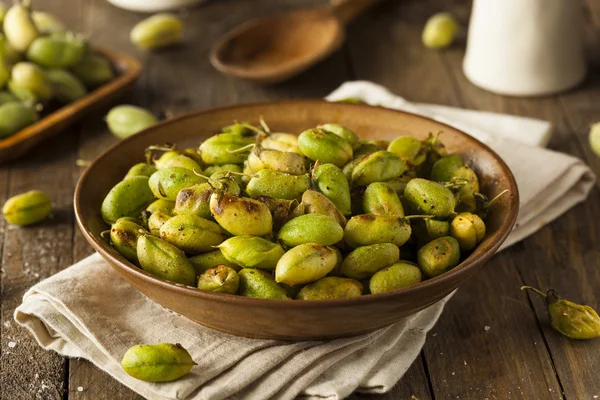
point(83, 163)
point(104, 233)
point(535, 290)
point(200, 175)
point(495, 199)
point(263, 124)
point(241, 149)
point(242, 174)
point(409, 217)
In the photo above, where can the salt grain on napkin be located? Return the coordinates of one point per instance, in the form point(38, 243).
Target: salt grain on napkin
point(78, 314)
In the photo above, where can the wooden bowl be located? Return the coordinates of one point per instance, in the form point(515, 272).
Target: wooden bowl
point(127, 71)
point(295, 320)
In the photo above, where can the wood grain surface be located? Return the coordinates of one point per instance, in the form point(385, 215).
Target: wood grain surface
point(492, 341)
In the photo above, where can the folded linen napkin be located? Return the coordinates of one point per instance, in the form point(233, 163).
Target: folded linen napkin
point(78, 315)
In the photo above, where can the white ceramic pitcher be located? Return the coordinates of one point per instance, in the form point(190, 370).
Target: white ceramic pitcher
point(525, 47)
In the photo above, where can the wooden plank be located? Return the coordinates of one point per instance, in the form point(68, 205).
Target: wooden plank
point(34, 253)
point(562, 255)
point(508, 360)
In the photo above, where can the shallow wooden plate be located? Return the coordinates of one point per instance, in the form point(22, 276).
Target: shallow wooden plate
point(127, 71)
point(295, 320)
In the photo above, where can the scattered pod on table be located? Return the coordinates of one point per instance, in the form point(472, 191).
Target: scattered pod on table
point(156, 220)
point(381, 199)
point(310, 228)
point(425, 230)
point(440, 31)
point(127, 198)
point(166, 183)
point(251, 252)
point(330, 288)
point(192, 234)
point(93, 70)
point(438, 256)
point(204, 261)
point(164, 205)
point(364, 261)
point(29, 77)
point(66, 87)
point(278, 185)
point(175, 158)
point(305, 263)
point(468, 229)
point(158, 31)
point(19, 28)
point(367, 229)
point(431, 198)
point(331, 181)
point(126, 120)
point(281, 142)
point(240, 215)
point(226, 148)
point(15, 116)
point(162, 362)
point(444, 168)
point(27, 208)
point(280, 209)
point(314, 202)
point(161, 258)
point(124, 234)
point(377, 167)
point(47, 23)
point(396, 276)
point(342, 132)
point(219, 279)
point(572, 320)
point(324, 146)
point(283, 161)
point(260, 284)
point(59, 50)
point(411, 150)
point(140, 169)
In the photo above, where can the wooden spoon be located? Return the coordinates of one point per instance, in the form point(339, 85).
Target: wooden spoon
point(275, 48)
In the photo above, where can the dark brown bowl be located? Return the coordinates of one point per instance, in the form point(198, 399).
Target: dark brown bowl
point(295, 320)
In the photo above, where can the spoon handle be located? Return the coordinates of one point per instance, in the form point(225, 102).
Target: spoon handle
point(348, 10)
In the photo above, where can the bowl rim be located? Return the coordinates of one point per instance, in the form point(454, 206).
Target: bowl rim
point(461, 269)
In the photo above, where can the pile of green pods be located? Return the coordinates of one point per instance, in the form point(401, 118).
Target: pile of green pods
point(43, 66)
point(321, 215)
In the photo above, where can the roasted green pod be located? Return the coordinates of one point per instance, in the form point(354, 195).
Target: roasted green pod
point(164, 205)
point(156, 220)
point(164, 260)
point(127, 198)
point(330, 288)
point(281, 209)
point(60, 50)
point(282, 161)
point(468, 229)
point(381, 199)
point(364, 261)
point(324, 146)
point(162, 362)
point(281, 142)
point(411, 150)
point(305, 263)
point(251, 252)
point(331, 181)
point(166, 183)
point(377, 167)
point(342, 132)
point(396, 276)
point(192, 234)
point(310, 228)
point(93, 70)
point(240, 215)
point(15, 116)
point(126, 120)
point(444, 168)
point(27, 208)
point(277, 184)
point(367, 229)
point(431, 198)
point(224, 148)
point(175, 158)
point(438, 256)
point(140, 169)
point(124, 234)
point(314, 202)
point(66, 86)
point(219, 279)
point(259, 284)
point(19, 28)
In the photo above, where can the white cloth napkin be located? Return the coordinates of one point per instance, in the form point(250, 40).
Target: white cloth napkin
point(88, 311)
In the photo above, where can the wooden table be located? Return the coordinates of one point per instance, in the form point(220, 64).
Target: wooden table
point(492, 341)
